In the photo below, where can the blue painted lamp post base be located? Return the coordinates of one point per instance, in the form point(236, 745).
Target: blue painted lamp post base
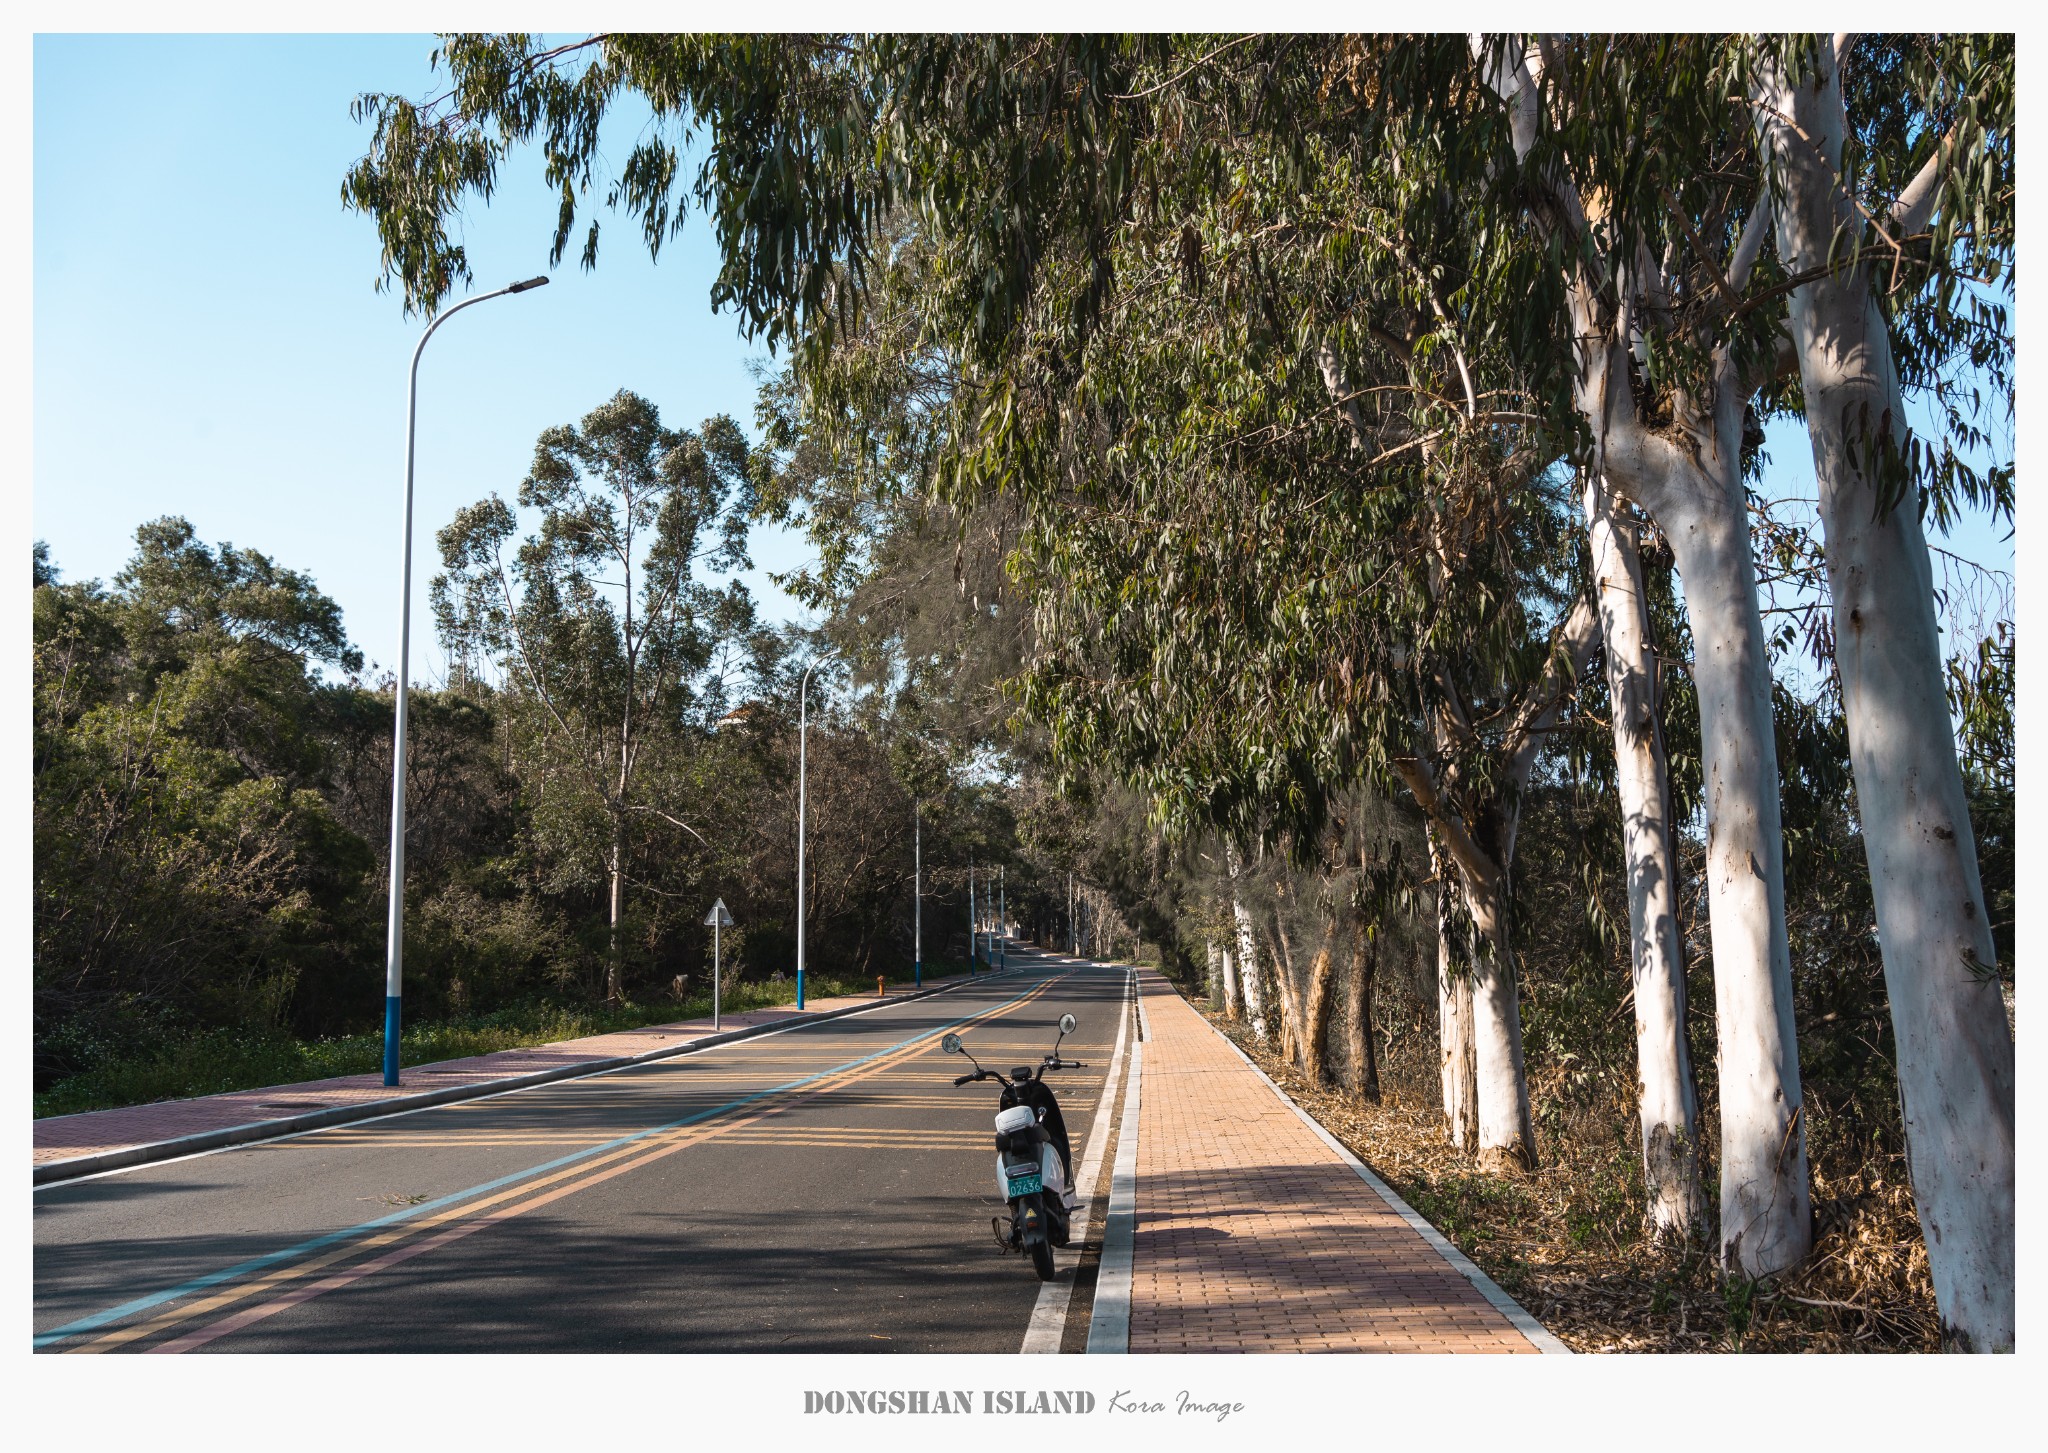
point(391, 1002)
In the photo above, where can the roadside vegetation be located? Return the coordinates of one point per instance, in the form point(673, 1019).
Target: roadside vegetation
point(214, 1061)
point(212, 798)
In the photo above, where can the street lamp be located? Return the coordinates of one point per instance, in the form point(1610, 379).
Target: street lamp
point(803, 728)
point(394, 931)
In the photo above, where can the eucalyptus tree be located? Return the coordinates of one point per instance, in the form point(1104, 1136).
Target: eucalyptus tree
point(1663, 343)
point(1024, 159)
point(1893, 189)
point(1658, 171)
point(1251, 615)
point(604, 635)
point(1667, 1103)
point(1655, 303)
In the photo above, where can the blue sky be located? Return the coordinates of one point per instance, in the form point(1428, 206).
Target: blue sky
point(208, 342)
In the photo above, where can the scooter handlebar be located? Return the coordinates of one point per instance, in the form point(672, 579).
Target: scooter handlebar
point(966, 1079)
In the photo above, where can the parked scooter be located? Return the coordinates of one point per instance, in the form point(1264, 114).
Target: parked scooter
point(1033, 1159)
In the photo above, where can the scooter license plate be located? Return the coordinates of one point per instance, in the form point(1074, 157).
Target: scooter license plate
point(1025, 1184)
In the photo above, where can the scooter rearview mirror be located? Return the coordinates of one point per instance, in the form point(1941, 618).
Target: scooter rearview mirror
point(950, 1044)
point(1066, 1024)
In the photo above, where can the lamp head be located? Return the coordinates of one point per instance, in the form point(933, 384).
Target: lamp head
point(532, 282)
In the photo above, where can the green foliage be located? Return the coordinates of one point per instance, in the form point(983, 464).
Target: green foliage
point(187, 868)
point(211, 815)
point(611, 651)
point(1982, 693)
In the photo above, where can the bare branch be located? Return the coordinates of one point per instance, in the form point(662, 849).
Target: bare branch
point(676, 821)
point(1915, 205)
point(1190, 70)
point(1571, 651)
point(1748, 247)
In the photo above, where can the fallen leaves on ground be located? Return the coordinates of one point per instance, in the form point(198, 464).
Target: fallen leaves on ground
point(1567, 1241)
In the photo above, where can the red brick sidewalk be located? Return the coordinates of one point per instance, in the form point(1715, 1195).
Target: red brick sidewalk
point(1254, 1235)
point(67, 1137)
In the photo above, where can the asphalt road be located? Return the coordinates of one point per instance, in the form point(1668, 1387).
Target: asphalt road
point(823, 1189)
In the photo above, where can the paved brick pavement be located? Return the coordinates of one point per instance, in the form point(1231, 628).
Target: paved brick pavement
point(65, 1137)
point(1253, 1235)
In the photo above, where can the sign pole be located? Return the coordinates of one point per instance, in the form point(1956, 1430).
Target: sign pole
point(719, 917)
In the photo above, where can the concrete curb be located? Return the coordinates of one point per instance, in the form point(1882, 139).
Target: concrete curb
point(50, 1172)
point(1109, 1321)
point(1486, 1286)
point(1048, 1326)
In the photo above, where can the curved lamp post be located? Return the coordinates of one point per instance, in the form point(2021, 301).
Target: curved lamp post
point(394, 930)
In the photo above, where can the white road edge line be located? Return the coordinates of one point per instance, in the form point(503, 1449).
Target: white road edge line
point(1507, 1306)
point(1109, 1328)
point(1049, 1317)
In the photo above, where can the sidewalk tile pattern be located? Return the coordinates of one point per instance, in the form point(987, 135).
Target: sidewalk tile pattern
point(63, 1137)
point(1253, 1236)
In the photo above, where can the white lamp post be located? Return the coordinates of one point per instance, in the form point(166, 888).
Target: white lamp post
point(394, 930)
point(802, 760)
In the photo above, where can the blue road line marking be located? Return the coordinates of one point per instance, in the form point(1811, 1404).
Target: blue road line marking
point(215, 1278)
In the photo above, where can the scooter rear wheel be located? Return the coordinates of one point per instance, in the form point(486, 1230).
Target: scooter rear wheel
point(1041, 1258)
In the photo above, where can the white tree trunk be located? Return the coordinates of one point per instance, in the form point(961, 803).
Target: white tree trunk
point(1231, 1003)
point(1955, 1048)
point(1249, 982)
point(1460, 1075)
point(1507, 1134)
point(1247, 949)
point(1667, 1106)
point(1463, 1105)
point(1689, 479)
point(1766, 1218)
point(1694, 492)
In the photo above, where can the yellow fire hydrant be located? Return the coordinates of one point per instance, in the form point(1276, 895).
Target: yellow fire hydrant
point(881, 986)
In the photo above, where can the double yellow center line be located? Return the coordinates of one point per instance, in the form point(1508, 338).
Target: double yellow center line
point(415, 1238)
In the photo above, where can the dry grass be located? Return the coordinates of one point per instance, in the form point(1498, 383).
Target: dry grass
point(1567, 1241)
